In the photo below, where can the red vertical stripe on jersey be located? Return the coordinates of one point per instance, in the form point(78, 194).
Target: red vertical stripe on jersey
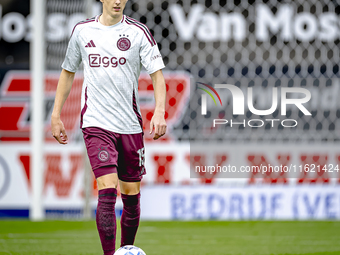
point(135, 109)
point(92, 43)
point(83, 110)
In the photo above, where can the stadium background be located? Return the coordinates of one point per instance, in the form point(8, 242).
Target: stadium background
point(259, 44)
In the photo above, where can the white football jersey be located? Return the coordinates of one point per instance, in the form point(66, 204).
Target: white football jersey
point(112, 58)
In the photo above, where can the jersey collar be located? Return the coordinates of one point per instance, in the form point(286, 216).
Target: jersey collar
point(115, 25)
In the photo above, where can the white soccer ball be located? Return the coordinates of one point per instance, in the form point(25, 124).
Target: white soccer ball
point(129, 250)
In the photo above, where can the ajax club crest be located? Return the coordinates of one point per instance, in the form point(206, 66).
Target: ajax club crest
point(103, 155)
point(124, 43)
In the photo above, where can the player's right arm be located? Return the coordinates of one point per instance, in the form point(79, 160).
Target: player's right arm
point(70, 66)
point(63, 90)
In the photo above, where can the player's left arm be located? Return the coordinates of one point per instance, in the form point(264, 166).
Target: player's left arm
point(158, 121)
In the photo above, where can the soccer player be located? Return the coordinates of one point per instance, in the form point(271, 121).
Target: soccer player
point(113, 47)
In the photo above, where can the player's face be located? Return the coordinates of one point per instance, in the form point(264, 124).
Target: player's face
point(114, 8)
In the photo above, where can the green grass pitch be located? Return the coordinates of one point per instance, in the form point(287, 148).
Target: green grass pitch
point(176, 237)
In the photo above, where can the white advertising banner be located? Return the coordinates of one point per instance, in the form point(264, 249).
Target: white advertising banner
point(169, 192)
point(62, 180)
point(264, 202)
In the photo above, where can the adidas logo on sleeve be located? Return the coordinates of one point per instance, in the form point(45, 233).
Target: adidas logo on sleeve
point(90, 44)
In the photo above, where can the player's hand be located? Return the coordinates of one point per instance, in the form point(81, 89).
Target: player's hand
point(158, 123)
point(58, 130)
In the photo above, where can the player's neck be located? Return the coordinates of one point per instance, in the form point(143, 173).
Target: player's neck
point(108, 20)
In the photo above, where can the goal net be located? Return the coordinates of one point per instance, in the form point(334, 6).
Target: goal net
point(259, 44)
point(263, 45)
point(62, 16)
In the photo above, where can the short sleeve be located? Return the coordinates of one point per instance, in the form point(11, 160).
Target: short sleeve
point(73, 55)
point(151, 58)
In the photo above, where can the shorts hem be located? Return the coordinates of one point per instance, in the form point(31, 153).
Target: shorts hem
point(101, 166)
point(121, 132)
point(131, 180)
point(105, 170)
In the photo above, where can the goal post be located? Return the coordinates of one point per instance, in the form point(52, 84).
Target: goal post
point(37, 62)
point(89, 5)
